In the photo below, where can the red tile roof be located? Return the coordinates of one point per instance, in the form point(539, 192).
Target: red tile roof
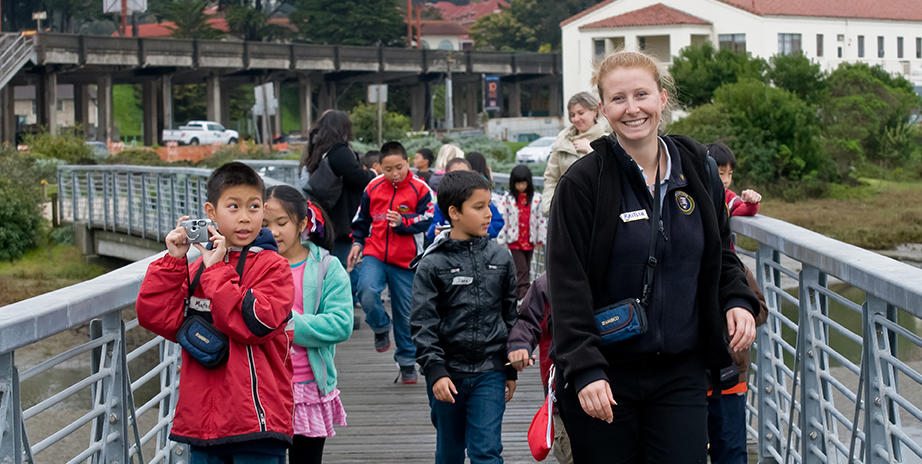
point(900, 10)
point(467, 14)
point(442, 27)
point(653, 15)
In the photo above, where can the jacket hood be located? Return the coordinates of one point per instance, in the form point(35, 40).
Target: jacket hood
point(442, 240)
point(263, 241)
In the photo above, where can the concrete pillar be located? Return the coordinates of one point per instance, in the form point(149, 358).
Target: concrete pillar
point(82, 107)
point(630, 43)
point(166, 97)
point(104, 108)
point(213, 98)
point(457, 105)
point(418, 102)
point(471, 95)
point(149, 104)
point(515, 99)
point(304, 103)
point(327, 95)
point(224, 115)
point(678, 41)
point(7, 115)
point(50, 102)
point(554, 98)
point(277, 90)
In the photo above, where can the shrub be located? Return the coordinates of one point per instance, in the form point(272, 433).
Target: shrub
point(701, 69)
point(228, 153)
point(21, 219)
point(141, 157)
point(365, 124)
point(69, 147)
point(799, 75)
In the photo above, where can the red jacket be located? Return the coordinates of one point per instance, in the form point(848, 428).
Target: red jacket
point(250, 396)
point(410, 197)
point(737, 207)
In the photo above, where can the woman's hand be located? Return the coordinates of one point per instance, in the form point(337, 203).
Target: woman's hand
point(177, 245)
point(510, 389)
point(217, 251)
point(582, 145)
point(741, 327)
point(519, 359)
point(355, 254)
point(443, 388)
point(597, 400)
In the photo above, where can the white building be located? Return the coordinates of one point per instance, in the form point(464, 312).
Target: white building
point(886, 33)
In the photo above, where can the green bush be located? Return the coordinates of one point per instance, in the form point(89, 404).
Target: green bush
point(21, 219)
point(365, 124)
point(69, 147)
point(141, 157)
point(228, 153)
point(701, 69)
point(799, 75)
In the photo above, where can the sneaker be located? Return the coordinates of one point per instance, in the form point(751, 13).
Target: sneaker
point(382, 342)
point(407, 375)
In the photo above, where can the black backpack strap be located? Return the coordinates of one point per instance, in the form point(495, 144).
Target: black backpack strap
point(198, 274)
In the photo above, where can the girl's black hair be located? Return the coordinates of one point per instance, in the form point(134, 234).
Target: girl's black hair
point(521, 173)
point(333, 127)
point(296, 207)
point(479, 164)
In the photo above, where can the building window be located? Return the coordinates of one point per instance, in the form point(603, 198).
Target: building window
point(788, 44)
point(899, 47)
point(819, 45)
point(732, 42)
point(860, 46)
point(840, 37)
point(880, 46)
point(840, 51)
point(918, 47)
point(641, 43)
point(599, 48)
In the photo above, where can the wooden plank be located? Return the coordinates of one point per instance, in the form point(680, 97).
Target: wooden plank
point(390, 422)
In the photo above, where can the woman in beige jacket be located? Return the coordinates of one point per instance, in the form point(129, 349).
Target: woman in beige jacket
point(573, 142)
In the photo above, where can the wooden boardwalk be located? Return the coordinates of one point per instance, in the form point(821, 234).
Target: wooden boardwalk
point(389, 423)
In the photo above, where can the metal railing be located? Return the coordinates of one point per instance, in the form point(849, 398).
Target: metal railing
point(15, 51)
point(835, 377)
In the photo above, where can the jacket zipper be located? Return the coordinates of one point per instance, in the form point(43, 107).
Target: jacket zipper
point(470, 250)
point(387, 229)
point(254, 384)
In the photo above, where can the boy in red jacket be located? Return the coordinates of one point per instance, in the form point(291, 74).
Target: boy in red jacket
point(387, 234)
point(240, 410)
point(747, 203)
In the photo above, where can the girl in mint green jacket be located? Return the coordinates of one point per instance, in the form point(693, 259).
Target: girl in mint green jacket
point(321, 316)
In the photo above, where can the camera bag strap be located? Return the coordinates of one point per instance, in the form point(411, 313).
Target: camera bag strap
point(198, 275)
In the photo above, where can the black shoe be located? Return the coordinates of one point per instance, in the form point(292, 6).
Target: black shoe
point(407, 375)
point(382, 342)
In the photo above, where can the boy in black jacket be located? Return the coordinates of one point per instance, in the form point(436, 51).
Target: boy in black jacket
point(464, 304)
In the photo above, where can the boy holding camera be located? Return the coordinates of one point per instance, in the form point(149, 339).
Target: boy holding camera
point(464, 305)
point(239, 407)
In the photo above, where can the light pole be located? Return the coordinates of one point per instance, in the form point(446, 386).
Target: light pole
point(449, 111)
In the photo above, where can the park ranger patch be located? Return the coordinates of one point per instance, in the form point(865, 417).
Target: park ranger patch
point(685, 202)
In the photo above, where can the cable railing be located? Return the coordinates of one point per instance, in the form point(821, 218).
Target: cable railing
point(835, 376)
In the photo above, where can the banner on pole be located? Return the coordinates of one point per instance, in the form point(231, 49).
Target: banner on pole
point(493, 98)
point(115, 6)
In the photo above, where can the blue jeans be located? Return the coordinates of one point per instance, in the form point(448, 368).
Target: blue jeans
point(341, 250)
point(373, 276)
point(727, 429)
point(198, 456)
point(474, 421)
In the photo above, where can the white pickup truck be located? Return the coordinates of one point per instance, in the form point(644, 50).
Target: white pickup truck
point(201, 132)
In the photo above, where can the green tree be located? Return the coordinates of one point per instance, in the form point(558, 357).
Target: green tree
point(503, 31)
point(189, 18)
point(69, 15)
point(350, 22)
point(522, 27)
point(250, 22)
point(365, 124)
point(701, 69)
point(799, 75)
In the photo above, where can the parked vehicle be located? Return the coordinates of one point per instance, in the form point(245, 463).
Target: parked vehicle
point(100, 149)
point(535, 152)
point(201, 132)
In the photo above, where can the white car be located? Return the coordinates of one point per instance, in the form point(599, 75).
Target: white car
point(201, 133)
point(536, 151)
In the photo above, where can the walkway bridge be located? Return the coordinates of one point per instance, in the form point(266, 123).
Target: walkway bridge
point(835, 375)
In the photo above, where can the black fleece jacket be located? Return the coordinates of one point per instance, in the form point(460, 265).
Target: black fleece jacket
point(345, 163)
point(582, 229)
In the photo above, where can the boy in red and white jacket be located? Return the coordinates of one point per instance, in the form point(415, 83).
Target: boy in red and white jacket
point(747, 203)
point(387, 234)
point(243, 407)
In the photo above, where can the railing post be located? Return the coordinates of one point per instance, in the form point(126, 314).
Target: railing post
point(89, 198)
point(113, 394)
point(130, 204)
point(766, 357)
point(74, 192)
point(813, 424)
point(145, 198)
point(169, 379)
point(879, 448)
point(60, 214)
point(160, 206)
point(11, 411)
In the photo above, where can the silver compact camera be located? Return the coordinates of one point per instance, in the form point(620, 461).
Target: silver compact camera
point(197, 230)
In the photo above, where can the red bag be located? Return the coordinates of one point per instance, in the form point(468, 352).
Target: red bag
point(541, 430)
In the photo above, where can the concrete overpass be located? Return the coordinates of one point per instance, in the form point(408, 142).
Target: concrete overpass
point(321, 70)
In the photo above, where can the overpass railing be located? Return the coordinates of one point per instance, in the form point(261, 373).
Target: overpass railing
point(835, 374)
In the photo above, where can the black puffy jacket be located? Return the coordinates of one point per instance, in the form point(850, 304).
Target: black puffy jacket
point(464, 304)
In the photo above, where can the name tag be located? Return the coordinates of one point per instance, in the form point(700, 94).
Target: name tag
point(631, 216)
point(462, 280)
point(200, 304)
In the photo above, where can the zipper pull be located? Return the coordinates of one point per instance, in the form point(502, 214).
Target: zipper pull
point(662, 230)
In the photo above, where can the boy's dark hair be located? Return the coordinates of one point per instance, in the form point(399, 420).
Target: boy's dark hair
point(455, 161)
point(296, 206)
point(722, 154)
point(479, 164)
point(393, 148)
point(231, 175)
point(521, 173)
point(370, 158)
point(456, 187)
point(427, 155)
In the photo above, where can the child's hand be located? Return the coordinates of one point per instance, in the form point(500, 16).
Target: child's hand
point(750, 196)
point(582, 145)
point(217, 251)
point(510, 389)
point(177, 245)
point(519, 359)
point(443, 389)
point(355, 255)
point(393, 218)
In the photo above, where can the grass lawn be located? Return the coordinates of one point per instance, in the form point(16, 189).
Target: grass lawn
point(42, 270)
point(877, 215)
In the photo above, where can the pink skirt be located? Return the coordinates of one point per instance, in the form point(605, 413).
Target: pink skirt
point(316, 415)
